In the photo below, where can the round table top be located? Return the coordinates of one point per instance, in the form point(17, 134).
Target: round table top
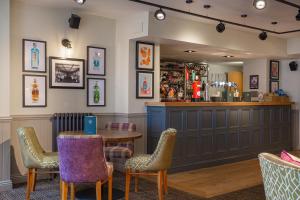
point(111, 135)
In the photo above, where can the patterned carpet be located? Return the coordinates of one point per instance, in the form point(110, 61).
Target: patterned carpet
point(49, 190)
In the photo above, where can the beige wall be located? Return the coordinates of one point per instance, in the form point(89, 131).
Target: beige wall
point(50, 24)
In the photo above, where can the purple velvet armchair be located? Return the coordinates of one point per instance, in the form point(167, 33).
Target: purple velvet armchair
point(81, 160)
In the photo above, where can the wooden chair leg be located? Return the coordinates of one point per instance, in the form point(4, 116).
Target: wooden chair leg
point(127, 185)
point(64, 192)
point(98, 190)
point(110, 185)
point(33, 181)
point(136, 183)
point(72, 191)
point(165, 182)
point(29, 183)
point(160, 184)
point(60, 186)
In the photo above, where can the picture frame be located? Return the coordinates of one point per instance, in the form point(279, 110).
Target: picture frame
point(34, 56)
point(96, 92)
point(66, 73)
point(274, 70)
point(34, 90)
point(145, 56)
point(274, 86)
point(96, 61)
point(144, 85)
point(254, 82)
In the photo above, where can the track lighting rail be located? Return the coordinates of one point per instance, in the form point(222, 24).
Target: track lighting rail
point(217, 19)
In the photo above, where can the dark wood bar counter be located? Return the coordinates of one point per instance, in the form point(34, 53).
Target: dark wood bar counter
point(213, 133)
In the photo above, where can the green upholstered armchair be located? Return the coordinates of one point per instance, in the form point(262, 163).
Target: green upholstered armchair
point(281, 178)
point(34, 156)
point(155, 164)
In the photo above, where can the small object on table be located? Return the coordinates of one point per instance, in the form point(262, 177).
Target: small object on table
point(90, 125)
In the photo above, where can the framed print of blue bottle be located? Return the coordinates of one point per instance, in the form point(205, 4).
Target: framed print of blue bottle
point(96, 61)
point(34, 56)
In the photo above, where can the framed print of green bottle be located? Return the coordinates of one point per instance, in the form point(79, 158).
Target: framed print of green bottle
point(96, 92)
point(96, 61)
point(34, 56)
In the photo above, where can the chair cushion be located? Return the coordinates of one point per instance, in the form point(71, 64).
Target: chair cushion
point(289, 158)
point(117, 152)
point(110, 168)
point(138, 162)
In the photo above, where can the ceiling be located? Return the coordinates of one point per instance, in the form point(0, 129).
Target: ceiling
point(230, 10)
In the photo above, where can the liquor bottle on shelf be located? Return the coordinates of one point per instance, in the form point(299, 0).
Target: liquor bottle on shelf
point(96, 93)
point(35, 56)
point(35, 91)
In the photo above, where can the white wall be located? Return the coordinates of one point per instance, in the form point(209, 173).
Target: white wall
point(50, 24)
point(223, 68)
point(4, 57)
point(256, 67)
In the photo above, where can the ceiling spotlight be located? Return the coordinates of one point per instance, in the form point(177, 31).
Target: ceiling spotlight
point(298, 16)
point(228, 56)
point(263, 35)
point(81, 2)
point(189, 51)
point(244, 16)
point(160, 15)
point(207, 6)
point(220, 27)
point(189, 1)
point(274, 23)
point(259, 4)
point(66, 43)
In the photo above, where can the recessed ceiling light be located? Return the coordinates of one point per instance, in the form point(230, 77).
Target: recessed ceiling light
point(189, 1)
point(160, 15)
point(189, 51)
point(274, 23)
point(207, 6)
point(259, 4)
point(81, 2)
point(244, 15)
point(228, 56)
point(298, 16)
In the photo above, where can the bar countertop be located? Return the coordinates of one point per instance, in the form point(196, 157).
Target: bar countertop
point(213, 104)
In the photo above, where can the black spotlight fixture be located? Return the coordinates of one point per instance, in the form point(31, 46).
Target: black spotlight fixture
point(160, 15)
point(66, 43)
point(263, 35)
point(293, 66)
point(220, 27)
point(74, 21)
point(189, 1)
point(298, 16)
point(81, 2)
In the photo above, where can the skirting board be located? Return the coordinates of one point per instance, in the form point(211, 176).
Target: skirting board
point(5, 185)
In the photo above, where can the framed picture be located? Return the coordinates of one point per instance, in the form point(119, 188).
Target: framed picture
point(274, 70)
point(144, 56)
point(96, 92)
point(274, 86)
point(144, 85)
point(96, 61)
point(34, 56)
point(66, 73)
point(254, 82)
point(34, 91)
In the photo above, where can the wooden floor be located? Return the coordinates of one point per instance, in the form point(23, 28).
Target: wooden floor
point(214, 181)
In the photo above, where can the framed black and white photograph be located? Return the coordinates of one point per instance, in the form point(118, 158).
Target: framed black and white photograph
point(96, 92)
point(34, 91)
point(66, 73)
point(274, 86)
point(254, 81)
point(144, 56)
point(274, 70)
point(96, 61)
point(144, 85)
point(34, 56)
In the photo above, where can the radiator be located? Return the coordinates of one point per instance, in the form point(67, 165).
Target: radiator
point(66, 122)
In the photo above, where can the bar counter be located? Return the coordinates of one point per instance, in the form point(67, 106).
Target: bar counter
point(213, 133)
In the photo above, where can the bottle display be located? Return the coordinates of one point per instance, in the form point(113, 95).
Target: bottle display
point(35, 91)
point(35, 56)
point(96, 93)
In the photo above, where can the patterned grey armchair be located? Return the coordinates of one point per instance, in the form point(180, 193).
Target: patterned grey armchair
point(281, 178)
